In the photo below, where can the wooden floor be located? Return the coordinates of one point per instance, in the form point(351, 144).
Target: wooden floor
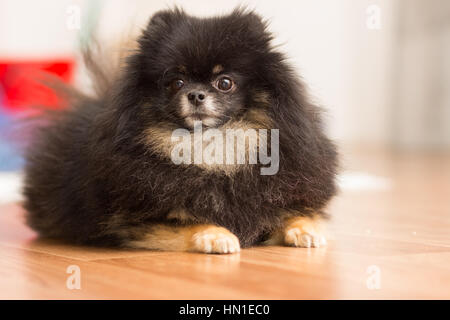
point(391, 241)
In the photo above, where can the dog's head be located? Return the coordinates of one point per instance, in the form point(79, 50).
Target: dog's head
point(203, 69)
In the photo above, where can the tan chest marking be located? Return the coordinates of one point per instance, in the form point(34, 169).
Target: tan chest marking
point(159, 139)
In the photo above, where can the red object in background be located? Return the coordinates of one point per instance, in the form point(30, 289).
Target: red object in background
point(20, 85)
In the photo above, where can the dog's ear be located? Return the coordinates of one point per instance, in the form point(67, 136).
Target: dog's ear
point(250, 28)
point(165, 18)
point(249, 19)
point(160, 24)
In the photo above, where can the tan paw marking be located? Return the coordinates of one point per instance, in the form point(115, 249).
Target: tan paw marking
point(215, 240)
point(304, 232)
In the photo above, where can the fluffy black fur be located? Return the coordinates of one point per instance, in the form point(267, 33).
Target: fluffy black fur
point(89, 175)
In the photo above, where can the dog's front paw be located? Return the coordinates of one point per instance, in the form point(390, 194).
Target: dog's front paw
point(213, 239)
point(304, 232)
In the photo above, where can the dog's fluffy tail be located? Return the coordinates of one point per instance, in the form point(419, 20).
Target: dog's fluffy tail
point(103, 62)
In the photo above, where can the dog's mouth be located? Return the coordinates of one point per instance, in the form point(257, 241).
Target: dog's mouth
point(199, 115)
point(207, 114)
point(203, 119)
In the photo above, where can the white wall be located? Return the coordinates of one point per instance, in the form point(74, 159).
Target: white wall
point(35, 29)
point(421, 100)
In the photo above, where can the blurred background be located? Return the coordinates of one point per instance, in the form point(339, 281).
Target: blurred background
point(381, 68)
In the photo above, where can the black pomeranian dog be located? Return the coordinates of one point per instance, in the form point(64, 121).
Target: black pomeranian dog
point(103, 173)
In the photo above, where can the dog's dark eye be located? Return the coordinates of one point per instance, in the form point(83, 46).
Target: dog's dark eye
point(224, 84)
point(177, 84)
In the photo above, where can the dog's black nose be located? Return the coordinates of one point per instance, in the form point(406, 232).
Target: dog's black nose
point(196, 97)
